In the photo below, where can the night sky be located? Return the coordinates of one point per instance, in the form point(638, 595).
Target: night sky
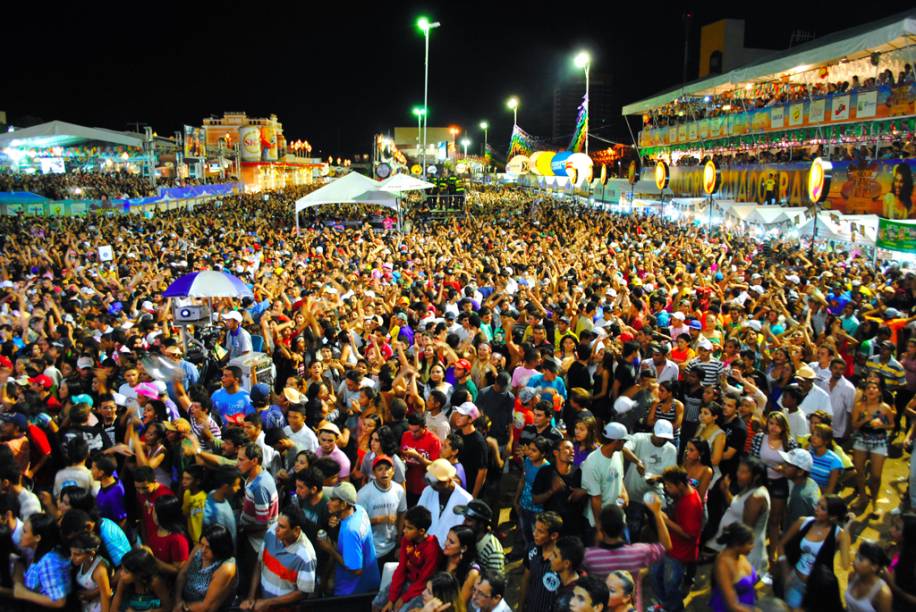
point(337, 72)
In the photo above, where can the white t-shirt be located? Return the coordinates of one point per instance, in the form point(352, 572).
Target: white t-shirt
point(655, 458)
point(305, 437)
point(378, 502)
point(602, 476)
point(439, 425)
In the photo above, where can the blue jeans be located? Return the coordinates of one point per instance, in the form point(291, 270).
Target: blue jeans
point(667, 580)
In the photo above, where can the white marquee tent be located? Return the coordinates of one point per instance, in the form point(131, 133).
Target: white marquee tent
point(353, 188)
point(400, 183)
point(61, 133)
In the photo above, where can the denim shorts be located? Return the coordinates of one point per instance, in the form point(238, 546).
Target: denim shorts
point(794, 590)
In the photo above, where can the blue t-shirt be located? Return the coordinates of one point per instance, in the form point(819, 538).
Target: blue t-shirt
point(114, 539)
point(229, 404)
point(823, 465)
point(557, 384)
point(219, 513)
point(531, 472)
point(272, 418)
point(356, 546)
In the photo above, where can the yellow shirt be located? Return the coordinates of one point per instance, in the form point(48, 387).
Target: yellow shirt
point(192, 506)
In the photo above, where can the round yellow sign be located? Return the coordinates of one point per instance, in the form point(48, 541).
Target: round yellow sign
point(711, 178)
point(603, 174)
point(633, 172)
point(416, 169)
point(661, 175)
point(819, 180)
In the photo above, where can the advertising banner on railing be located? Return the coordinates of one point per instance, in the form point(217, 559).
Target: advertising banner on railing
point(882, 187)
point(881, 103)
point(896, 236)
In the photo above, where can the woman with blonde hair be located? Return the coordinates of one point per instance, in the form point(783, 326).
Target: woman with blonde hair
point(621, 587)
point(483, 372)
point(872, 418)
point(766, 447)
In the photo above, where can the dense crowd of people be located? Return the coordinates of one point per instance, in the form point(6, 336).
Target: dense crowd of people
point(900, 148)
point(640, 397)
point(89, 185)
point(768, 95)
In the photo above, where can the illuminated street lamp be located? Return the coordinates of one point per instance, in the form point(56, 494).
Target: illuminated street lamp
point(512, 104)
point(425, 26)
point(584, 60)
point(464, 143)
point(485, 127)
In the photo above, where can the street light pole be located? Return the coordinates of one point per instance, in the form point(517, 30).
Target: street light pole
point(485, 127)
point(464, 143)
point(420, 113)
point(512, 103)
point(426, 26)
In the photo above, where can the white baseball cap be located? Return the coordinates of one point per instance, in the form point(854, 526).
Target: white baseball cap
point(623, 404)
point(663, 429)
point(615, 431)
point(798, 457)
point(234, 315)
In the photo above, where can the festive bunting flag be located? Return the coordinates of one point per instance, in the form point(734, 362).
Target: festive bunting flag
point(577, 144)
point(523, 143)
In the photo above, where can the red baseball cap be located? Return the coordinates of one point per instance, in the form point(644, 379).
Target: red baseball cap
point(236, 419)
point(42, 380)
point(382, 459)
point(5, 362)
point(464, 364)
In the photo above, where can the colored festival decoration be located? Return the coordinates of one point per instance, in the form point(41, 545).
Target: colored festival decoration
point(864, 186)
point(577, 144)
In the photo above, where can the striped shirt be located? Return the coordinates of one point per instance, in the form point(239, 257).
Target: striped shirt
point(285, 569)
point(711, 370)
point(823, 465)
point(892, 372)
point(490, 554)
point(261, 505)
point(543, 584)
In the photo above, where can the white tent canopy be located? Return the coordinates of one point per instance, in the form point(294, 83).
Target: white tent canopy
point(766, 215)
point(378, 198)
point(740, 211)
point(61, 133)
point(339, 191)
point(353, 188)
point(880, 36)
point(827, 229)
point(403, 182)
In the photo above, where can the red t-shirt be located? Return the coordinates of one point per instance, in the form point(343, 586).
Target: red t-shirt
point(168, 549)
point(146, 502)
point(427, 445)
point(688, 514)
point(522, 416)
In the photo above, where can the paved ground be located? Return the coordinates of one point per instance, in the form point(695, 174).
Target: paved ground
point(894, 484)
